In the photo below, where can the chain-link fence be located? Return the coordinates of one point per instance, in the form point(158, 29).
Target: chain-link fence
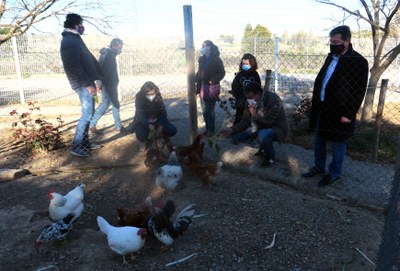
point(31, 70)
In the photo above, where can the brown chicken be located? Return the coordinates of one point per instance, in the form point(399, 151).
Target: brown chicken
point(135, 217)
point(197, 147)
point(205, 171)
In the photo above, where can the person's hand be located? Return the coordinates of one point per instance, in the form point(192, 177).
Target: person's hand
point(253, 110)
point(226, 131)
point(99, 85)
point(92, 90)
point(345, 120)
point(151, 127)
point(160, 130)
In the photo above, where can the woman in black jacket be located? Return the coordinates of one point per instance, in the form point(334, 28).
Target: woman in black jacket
point(151, 113)
point(247, 74)
point(210, 73)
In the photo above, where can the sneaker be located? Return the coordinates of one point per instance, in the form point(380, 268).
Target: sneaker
point(79, 153)
point(94, 146)
point(311, 172)
point(327, 180)
point(93, 130)
point(267, 162)
point(121, 130)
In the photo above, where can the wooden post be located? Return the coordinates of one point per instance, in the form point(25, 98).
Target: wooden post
point(189, 47)
point(267, 80)
point(378, 120)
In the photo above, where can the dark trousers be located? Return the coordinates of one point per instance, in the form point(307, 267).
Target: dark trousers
point(142, 131)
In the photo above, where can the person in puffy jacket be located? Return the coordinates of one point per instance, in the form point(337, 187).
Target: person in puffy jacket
point(110, 78)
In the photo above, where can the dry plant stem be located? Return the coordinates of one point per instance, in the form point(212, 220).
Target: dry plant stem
point(181, 260)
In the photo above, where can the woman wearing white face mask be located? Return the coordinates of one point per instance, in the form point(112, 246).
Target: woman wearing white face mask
point(151, 113)
point(247, 74)
point(210, 73)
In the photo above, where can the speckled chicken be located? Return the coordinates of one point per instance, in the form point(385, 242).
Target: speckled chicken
point(56, 231)
point(165, 230)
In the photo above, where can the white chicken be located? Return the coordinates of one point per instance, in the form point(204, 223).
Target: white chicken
point(168, 175)
point(60, 206)
point(123, 240)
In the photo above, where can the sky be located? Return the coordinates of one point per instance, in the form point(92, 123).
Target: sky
point(160, 18)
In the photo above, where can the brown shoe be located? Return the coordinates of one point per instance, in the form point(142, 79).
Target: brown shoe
point(93, 130)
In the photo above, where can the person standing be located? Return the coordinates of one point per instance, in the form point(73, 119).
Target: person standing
point(83, 74)
point(339, 90)
point(210, 72)
point(264, 119)
point(151, 113)
point(110, 79)
point(247, 74)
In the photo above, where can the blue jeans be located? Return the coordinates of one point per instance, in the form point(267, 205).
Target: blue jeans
point(108, 96)
point(142, 131)
point(81, 140)
point(338, 155)
point(209, 114)
point(266, 138)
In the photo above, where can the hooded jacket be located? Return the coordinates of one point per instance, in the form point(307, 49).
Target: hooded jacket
point(344, 94)
point(108, 64)
point(211, 69)
point(80, 66)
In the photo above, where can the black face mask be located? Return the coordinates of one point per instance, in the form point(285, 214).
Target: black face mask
point(336, 49)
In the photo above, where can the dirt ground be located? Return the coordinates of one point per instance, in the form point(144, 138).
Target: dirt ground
point(242, 214)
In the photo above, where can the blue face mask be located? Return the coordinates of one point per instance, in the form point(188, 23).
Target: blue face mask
point(203, 51)
point(81, 29)
point(246, 67)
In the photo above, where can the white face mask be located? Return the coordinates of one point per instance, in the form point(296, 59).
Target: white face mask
point(251, 101)
point(151, 97)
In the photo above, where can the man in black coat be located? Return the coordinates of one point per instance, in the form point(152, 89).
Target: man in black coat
point(339, 90)
point(83, 74)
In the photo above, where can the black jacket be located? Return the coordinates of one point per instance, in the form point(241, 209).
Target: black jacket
point(210, 69)
point(344, 94)
point(108, 64)
point(146, 109)
point(80, 66)
point(271, 115)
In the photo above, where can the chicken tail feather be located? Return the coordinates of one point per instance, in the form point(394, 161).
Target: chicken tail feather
point(103, 225)
point(184, 219)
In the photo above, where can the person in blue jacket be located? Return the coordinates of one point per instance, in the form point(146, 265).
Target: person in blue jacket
point(83, 73)
point(151, 113)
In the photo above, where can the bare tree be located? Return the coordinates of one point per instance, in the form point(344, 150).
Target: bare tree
point(18, 16)
point(381, 16)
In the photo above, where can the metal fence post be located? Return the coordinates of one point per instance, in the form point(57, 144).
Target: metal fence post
point(18, 69)
point(378, 121)
point(276, 62)
point(189, 48)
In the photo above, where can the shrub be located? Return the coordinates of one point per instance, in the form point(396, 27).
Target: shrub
point(35, 131)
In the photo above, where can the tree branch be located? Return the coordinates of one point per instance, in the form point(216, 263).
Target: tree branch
point(2, 8)
point(357, 14)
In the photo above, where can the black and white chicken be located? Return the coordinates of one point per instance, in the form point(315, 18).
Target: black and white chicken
point(165, 230)
point(168, 175)
point(56, 231)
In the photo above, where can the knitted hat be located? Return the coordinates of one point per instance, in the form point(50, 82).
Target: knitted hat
point(116, 41)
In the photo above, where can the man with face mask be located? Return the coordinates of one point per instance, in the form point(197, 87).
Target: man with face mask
point(83, 73)
point(339, 90)
point(108, 64)
point(264, 118)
